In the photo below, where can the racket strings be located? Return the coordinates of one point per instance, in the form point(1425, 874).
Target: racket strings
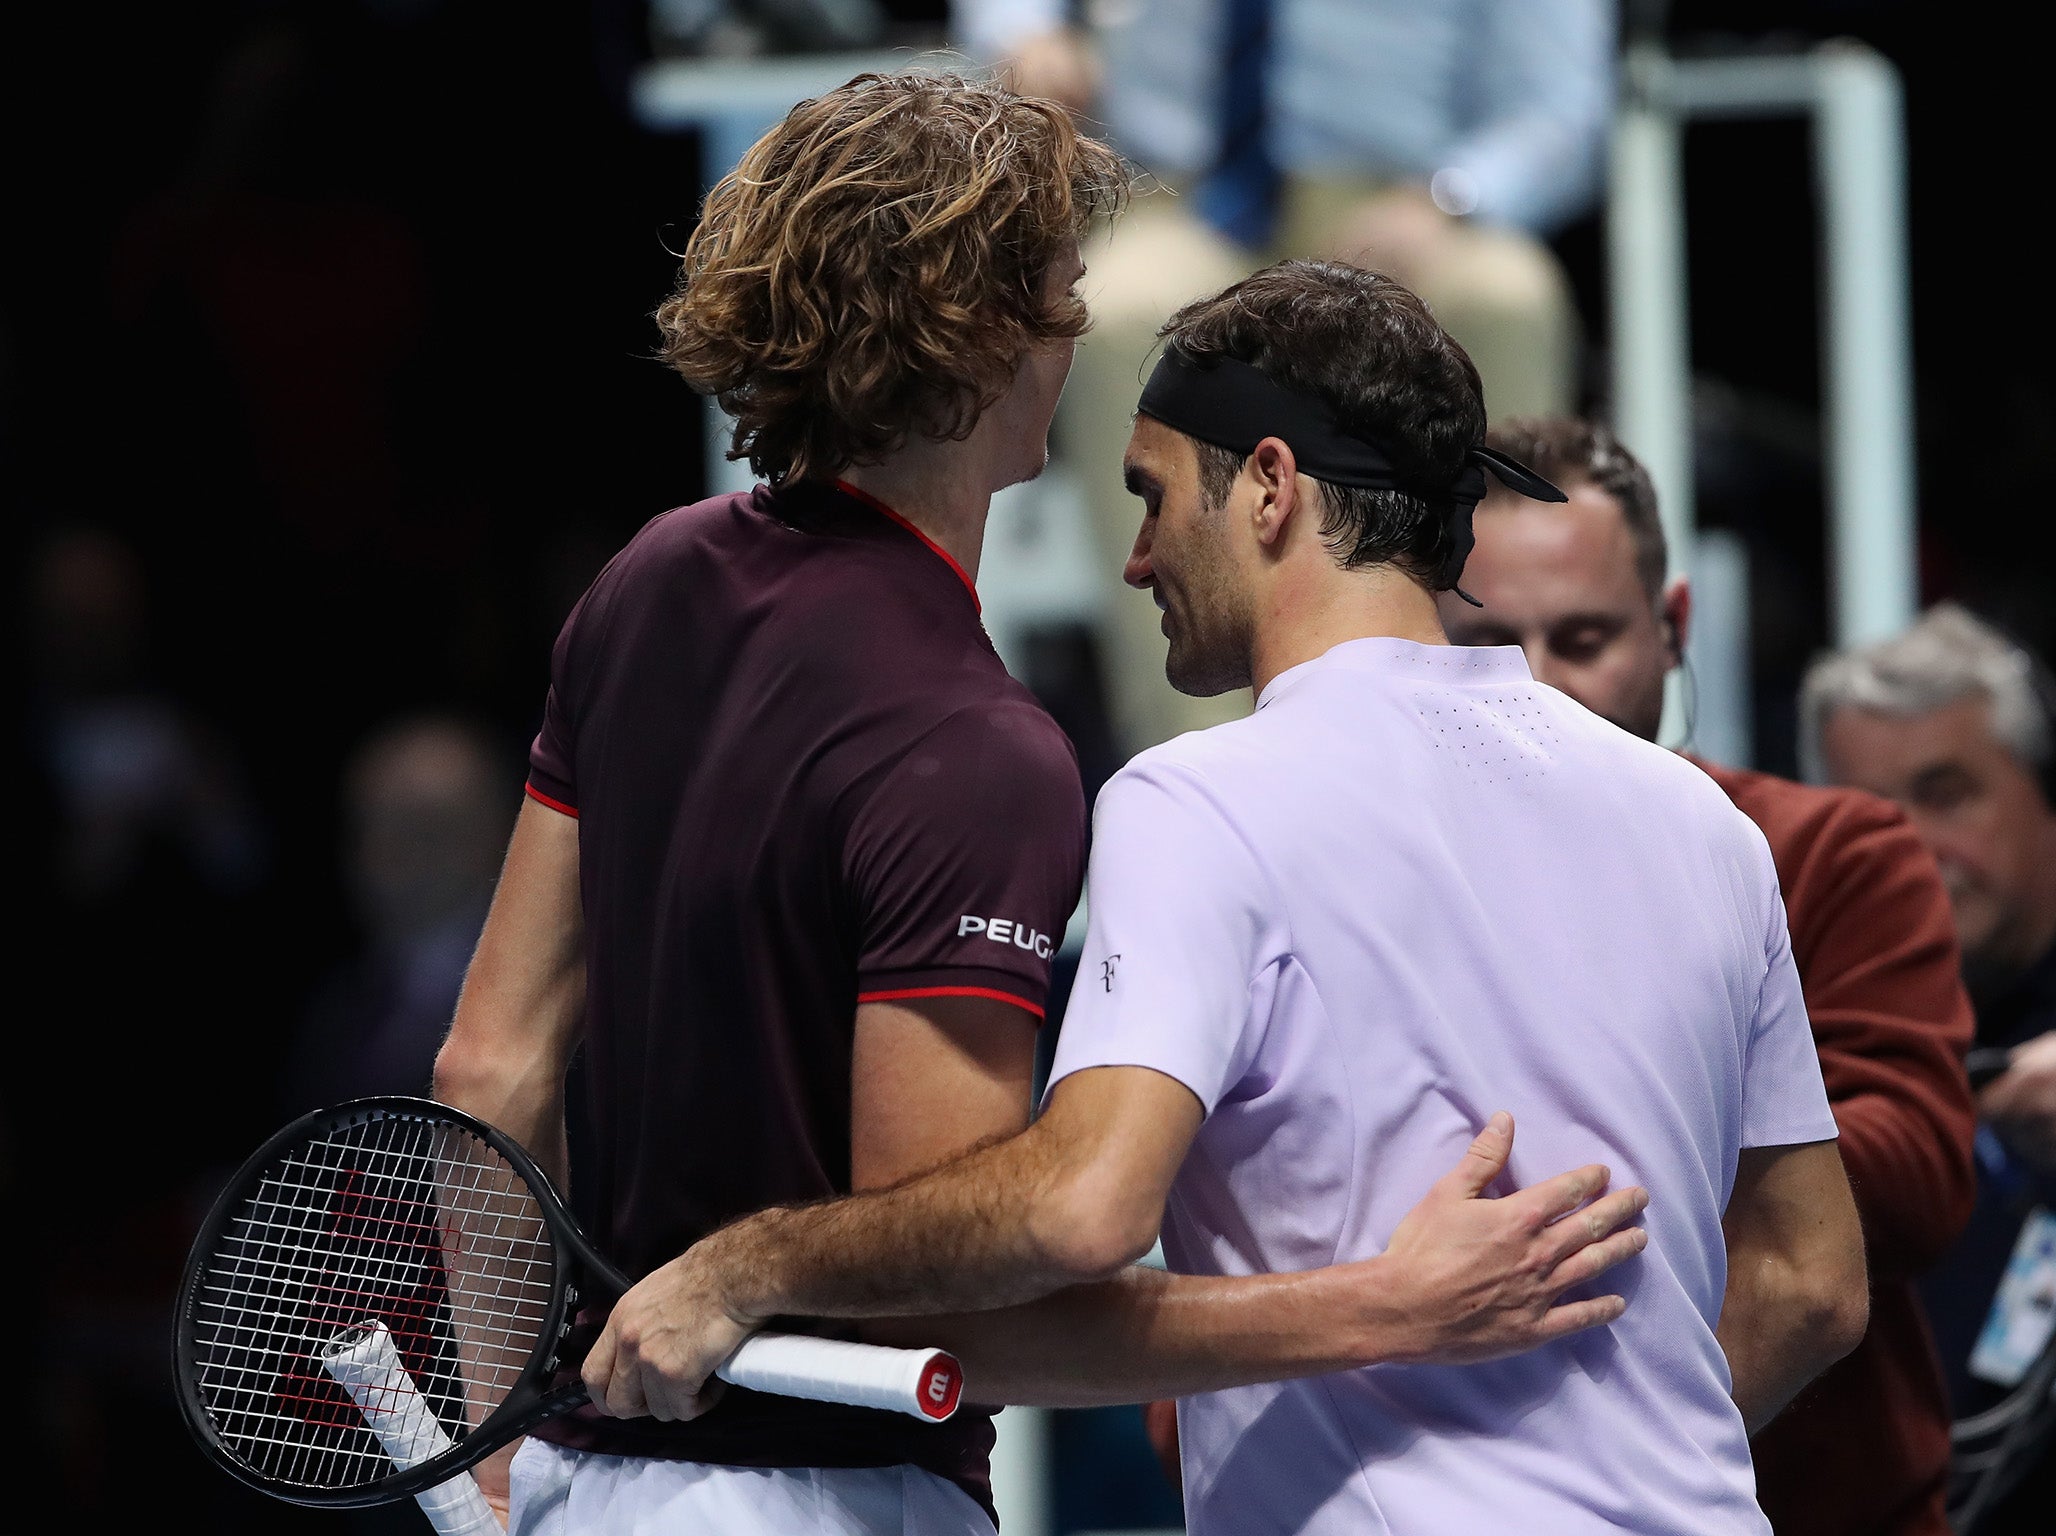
point(404, 1222)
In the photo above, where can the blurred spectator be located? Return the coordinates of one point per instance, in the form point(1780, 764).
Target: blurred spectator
point(302, 371)
point(136, 779)
point(141, 1073)
point(1954, 721)
point(429, 805)
point(1441, 145)
point(309, 293)
point(153, 850)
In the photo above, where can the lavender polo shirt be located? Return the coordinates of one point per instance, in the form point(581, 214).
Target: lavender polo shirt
point(1414, 887)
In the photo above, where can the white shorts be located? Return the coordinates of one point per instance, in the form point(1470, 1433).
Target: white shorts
point(558, 1492)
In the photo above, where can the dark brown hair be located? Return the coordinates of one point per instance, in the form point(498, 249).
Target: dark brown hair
point(1568, 450)
point(874, 266)
point(1368, 349)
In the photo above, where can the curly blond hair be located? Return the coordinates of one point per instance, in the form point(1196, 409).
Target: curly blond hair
point(874, 267)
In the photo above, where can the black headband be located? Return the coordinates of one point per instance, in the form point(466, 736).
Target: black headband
point(1234, 405)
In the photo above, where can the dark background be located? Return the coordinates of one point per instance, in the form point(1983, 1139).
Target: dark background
point(325, 386)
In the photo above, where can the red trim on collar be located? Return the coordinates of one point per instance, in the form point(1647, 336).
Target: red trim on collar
point(878, 506)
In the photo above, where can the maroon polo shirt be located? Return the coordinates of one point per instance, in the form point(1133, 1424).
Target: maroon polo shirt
point(803, 780)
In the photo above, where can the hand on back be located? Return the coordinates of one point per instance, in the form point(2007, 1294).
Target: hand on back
point(1470, 1277)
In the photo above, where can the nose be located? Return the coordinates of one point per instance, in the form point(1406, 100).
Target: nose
point(1139, 572)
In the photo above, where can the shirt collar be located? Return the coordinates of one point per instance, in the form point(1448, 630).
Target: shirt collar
point(1408, 658)
point(867, 499)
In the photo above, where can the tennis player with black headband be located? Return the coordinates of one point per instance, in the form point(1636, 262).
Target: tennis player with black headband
point(1326, 942)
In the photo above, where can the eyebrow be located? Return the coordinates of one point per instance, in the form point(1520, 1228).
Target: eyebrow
point(1139, 481)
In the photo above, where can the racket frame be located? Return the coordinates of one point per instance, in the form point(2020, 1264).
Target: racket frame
point(526, 1404)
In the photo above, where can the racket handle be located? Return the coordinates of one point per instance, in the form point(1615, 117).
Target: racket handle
point(366, 1364)
point(923, 1382)
point(457, 1508)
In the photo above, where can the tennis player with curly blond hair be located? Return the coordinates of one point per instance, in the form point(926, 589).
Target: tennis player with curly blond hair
point(797, 850)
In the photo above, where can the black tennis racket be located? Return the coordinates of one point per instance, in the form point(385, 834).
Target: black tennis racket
point(381, 1296)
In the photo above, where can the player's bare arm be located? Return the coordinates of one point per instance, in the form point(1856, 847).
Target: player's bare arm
point(931, 1079)
point(523, 1003)
point(1464, 1278)
point(519, 1015)
point(1007, 1223)
point(1076, 1199)
point(1798, 1296)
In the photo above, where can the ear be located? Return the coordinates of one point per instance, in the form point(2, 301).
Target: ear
point(1675, 609)
point(1276, 472)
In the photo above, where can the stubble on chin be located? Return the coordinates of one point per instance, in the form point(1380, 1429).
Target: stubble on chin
point(1200, 676)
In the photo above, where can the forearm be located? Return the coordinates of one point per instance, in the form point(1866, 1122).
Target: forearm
point(522, 1006)
point(1145, 1335)
point(987, 1231)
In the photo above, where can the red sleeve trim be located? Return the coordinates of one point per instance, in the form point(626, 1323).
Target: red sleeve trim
point(555, 805)
point(876, 505)
point(994, 994)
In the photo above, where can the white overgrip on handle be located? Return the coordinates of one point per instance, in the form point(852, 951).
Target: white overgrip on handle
point(923, 1382)
point(367, 1365)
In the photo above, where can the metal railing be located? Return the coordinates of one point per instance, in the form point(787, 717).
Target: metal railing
point(1852, 97)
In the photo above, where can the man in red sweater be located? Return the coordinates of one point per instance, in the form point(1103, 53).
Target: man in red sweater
point(1580, 588)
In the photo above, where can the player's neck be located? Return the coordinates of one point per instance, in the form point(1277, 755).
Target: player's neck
point(1307, 616)
point(943, 489)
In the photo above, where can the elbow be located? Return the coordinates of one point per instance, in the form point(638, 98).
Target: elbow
point(1834, 1279)
point(462, 1071)
point(1087, 1229)
point(1837, 1311)
point(1837, 1326)
point(1850, 1319)
point(471, 1073)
